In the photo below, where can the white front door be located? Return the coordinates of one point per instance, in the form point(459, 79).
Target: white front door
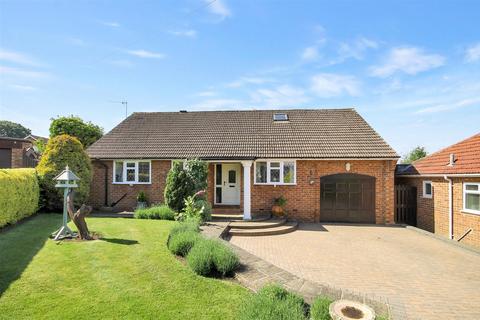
point(227, 184)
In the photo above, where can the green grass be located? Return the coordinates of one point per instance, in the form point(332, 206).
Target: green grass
point(128, 274)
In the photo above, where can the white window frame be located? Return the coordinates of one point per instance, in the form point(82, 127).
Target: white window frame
point(281, 183)
point(124, 172)
point(425, 195)
point(465, 191)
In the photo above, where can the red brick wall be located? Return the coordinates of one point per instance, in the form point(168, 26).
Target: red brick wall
point(154, 191)
point(18, 151)
point(303, 199)
point(435, 211)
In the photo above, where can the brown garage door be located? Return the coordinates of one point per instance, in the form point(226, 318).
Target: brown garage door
point(5, 158)
point(347, 198)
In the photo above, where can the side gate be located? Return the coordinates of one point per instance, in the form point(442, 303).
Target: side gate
point(406, 204)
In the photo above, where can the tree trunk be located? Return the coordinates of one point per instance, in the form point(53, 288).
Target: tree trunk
point(78, 217)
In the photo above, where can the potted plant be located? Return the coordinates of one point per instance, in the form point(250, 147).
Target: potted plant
point(141, 200)
point(278, 206)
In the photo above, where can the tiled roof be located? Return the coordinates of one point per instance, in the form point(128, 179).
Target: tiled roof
point(467, 160)
point(309, 133)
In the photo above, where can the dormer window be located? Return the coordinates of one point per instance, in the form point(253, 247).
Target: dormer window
point(280, 117)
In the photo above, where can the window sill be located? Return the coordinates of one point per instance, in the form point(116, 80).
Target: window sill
point(274, 184)
point(131, 183)
point(470, 212)
point(427, 197)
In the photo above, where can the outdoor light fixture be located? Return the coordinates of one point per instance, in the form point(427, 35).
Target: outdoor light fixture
point(347, 166)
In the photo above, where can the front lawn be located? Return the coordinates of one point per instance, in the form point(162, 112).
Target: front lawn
point(129, 273)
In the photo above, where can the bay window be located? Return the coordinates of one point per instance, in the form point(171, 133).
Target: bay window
point(471, 197)
point(132, 172)
point(275, 172)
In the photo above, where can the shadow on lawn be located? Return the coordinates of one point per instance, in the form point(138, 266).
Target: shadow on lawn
point(120, 241)
point(19, 244)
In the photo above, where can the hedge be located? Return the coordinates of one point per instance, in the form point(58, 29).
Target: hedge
point(19, 194)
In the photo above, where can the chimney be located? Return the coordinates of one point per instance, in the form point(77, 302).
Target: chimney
point(183, 111)
point(452, 160)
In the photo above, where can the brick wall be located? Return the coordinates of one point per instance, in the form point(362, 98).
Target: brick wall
point(18, 150)
point(303, 199)
point(154, 190)
point(432, 214)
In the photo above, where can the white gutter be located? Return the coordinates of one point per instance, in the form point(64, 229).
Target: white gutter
point(466, 175)
point(450, 207)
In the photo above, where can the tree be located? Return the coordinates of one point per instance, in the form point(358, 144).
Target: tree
point(86, 132)
point(61, 151)
point(415, 154)
point(13, 130)
point(183, 181)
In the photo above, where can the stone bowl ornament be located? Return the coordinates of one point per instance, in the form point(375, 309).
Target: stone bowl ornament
point(350, 310)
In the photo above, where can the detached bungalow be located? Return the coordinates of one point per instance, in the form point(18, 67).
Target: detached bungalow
point(329, 164)
point(447, 185)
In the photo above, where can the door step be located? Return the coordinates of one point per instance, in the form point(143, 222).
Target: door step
point(286, 227)
point(257, 224)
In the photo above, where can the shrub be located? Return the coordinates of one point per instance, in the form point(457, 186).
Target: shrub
point(62, 151)
point(208, 256)
point(185, 227)
point(319, 309)
point(200, 258)
point(86, 132)
point(181, 243)
point(19, 194)
point(224, 259)
point(273, 302)
point(183, 181)
point(161, 212)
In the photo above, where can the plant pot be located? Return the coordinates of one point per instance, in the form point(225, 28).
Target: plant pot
point(277, 211)
point(141, 205)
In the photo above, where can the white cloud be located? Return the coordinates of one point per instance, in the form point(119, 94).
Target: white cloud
point(22, 73)
point(248, 80)
point(281, 96)
point(310, 53)
point(450, 106)
point(473, 53)
point(20, 87)
point(219, 8)
point(190, 33)
point(409, 60)
point(146, 54)
point(355, 49)
point(17, 57)
point(112, 24)
point(331, 85)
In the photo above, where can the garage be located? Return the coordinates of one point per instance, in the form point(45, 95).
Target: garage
point(347, 198)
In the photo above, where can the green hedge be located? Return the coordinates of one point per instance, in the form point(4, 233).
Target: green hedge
point(19, 194)
point(161, 212)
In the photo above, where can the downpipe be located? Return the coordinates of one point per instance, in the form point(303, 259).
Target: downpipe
point(450, 206)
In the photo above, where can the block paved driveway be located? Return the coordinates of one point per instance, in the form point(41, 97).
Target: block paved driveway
point(421, 277)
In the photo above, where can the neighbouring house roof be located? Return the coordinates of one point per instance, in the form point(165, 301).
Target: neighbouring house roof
point(32, 137)
point(466, 155)
point(308, 133)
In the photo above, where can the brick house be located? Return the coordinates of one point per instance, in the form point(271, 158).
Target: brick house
point(329, 164)
point(17, 153)
point(448, 191)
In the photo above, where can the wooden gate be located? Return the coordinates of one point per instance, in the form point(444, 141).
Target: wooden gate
point(406, 204)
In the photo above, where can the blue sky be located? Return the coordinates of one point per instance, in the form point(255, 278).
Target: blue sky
point(411, 68)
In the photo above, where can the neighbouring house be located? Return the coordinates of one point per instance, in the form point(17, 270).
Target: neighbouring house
point(329, 164)
point(447, 185)
point(17, 153)
point(33, 138)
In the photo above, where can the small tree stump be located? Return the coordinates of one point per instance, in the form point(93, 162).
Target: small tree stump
point(78, 217)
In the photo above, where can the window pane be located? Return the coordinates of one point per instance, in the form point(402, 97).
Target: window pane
point(289, 172)
point(274, 164)
point(143, 172)
point(119, 171)
point(472, 201)
point(473, 187)
point(261, 174)
point(428, 188)
point(274, 175)
point(130, 164)
point(130, 175)
point(218, 178)
point(232, 176)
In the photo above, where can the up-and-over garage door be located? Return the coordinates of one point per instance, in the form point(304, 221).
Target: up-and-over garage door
point(347, 198)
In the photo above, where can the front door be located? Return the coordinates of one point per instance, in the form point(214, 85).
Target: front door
point(227, 183)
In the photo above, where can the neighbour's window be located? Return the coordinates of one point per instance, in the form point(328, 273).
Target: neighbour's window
point(132, 171)
point(427, 189)
point(275, 172)
point(471, 197)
